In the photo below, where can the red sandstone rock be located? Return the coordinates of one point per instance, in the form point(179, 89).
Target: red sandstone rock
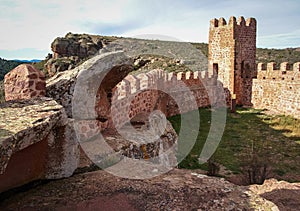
point(24, 82)
point(37, 141)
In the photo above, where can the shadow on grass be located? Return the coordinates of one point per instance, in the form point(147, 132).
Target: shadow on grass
point(250, 144)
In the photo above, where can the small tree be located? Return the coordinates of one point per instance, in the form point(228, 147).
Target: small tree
point(255, 165)
point(256, 170)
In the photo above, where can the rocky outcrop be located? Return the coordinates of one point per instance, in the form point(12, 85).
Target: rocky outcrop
point(24, 82)
point(76, 45)
point(37, 141)
point(284, 194)
point(72, 49)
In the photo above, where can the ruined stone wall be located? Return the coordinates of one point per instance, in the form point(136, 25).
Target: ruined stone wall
point(277, 90)
point(172, 93)
point(232, 49)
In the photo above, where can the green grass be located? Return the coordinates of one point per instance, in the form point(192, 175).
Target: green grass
point(273, 140)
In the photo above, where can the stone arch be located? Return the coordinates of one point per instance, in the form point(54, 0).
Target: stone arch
point(101, 76)
point(86, 91)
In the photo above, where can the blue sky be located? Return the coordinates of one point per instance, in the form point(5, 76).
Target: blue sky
point(29, 26)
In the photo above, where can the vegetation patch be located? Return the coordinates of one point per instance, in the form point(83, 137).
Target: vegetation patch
point(254, 146)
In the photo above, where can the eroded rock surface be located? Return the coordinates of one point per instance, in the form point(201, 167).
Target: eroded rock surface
point(39, 130)
point(109, 68)
point(72, 49)
point(24, 82)
point(176, 190)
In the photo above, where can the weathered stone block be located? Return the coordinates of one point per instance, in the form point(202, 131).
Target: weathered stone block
point(37, 141)
point(24, 82)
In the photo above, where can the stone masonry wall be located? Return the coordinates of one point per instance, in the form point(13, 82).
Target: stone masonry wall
point(245, 52)
point(172, 93)
point(277, 90)
point(232, 49)
point(221, 50)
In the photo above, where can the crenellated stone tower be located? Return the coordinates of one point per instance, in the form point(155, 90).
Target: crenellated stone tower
point(231, 54)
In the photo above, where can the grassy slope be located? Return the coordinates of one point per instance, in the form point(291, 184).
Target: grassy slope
point(275, 140)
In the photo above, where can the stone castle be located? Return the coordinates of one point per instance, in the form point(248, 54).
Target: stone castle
point(102, 94)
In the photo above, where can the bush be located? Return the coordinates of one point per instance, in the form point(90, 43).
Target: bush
point(213, 168)
point(2, 95)
point(255, 170)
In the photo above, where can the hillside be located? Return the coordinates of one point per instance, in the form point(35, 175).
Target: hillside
point(265, 55)
point(65, 52)
point(290, 55)
point(65, 56)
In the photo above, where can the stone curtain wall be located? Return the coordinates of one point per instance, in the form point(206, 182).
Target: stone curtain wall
point(232, 49)
point(157, 89)
point(277, 90)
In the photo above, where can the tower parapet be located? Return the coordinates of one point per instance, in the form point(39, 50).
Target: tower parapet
point(250, 22)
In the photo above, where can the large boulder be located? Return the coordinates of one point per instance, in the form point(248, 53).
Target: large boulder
point(81, 45)
point(37, 141)
point(24, 82)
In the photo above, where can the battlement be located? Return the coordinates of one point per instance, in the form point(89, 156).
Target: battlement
point(158, 78)
point(214, 23)
point(285, 72)
point(172, 93)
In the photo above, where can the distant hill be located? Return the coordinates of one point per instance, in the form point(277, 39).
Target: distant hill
point(2, 96)
point(27, 61)
point(290, 55)
point(8, 65)
point(265, 55)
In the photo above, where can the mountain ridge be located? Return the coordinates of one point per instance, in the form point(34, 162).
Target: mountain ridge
point(63, 62)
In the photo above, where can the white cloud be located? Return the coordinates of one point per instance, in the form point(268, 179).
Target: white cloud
point(35, 24)
point(189, 32)
point(291, 39)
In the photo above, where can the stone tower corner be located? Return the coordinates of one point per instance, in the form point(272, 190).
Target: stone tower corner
point(232, 51)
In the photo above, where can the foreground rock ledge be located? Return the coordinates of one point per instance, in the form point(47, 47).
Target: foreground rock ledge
point(177, 190)
point(37, 141)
